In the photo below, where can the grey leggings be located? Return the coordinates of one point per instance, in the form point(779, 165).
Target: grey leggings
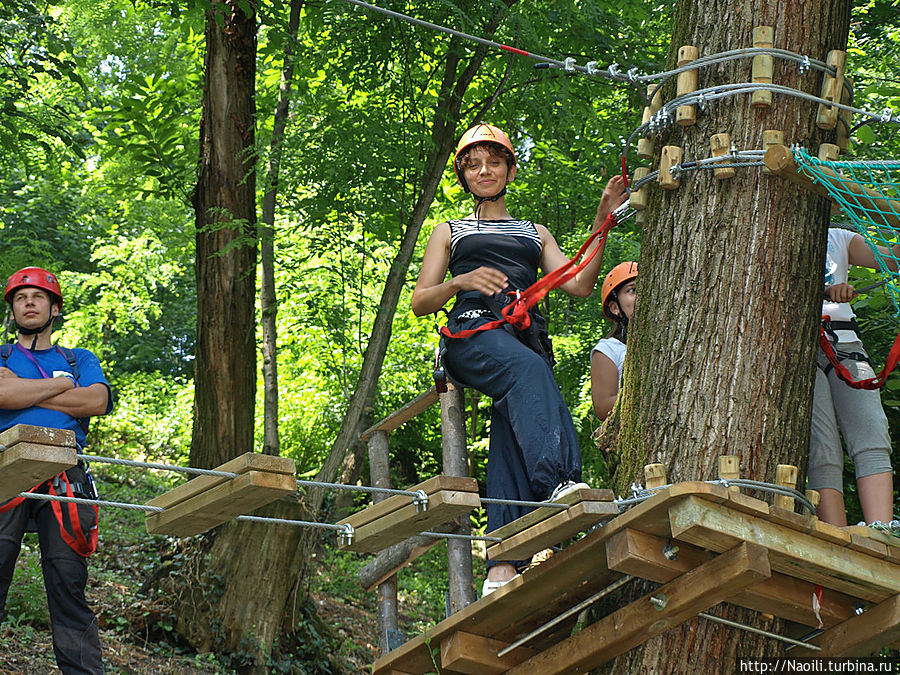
point(857, 413)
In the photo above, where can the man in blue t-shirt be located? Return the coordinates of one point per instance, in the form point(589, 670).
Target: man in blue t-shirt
point(48, 386)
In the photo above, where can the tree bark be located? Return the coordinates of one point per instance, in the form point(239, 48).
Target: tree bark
point(722, 350)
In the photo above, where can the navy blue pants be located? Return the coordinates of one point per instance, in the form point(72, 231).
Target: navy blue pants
point(76, 640)
point(533, 444)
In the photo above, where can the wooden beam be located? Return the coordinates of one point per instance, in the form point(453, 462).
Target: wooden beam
point(429, 487)
point(222, 503)
point(400, 417)
point(25, 465)
point(859, 635)
point(27, 433)
point(692, 592)
point(443, 506)
point(250, 461)
point(718, 528)
point(534, 517)
point(633, 552)
point(557, 528)
point(476, 655)
point(780, 160)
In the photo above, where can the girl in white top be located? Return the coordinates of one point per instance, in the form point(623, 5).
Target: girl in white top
point(607, 357)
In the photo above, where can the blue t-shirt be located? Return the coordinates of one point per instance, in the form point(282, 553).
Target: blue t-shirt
point(89, 372)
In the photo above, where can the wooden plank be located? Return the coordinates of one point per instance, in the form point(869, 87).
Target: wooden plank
point(863, 542)
point(718, 528)
point(534, 517)
point(25, 465)
point(250, 461)
point(476, 655)
point(861, 635)
point(431, 486)
point(633, 552)
point(400, 417)
point(830, 533)
point(222, 503)
point(27, 433)
point(690, 593)
point(877, 536)
point(401, 524)
point(747, 504)
point(791, 520)
point(555, 529)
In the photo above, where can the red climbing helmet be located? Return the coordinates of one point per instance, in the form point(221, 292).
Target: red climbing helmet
point(480, 133)
point(618, 275)
point(34, 277)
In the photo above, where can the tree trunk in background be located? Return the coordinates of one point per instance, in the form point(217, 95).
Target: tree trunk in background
point(233, 601)
point(723, 347)
point(267, 298)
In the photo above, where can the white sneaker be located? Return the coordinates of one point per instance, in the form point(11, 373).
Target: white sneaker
point(566, 488)
point(490, 586)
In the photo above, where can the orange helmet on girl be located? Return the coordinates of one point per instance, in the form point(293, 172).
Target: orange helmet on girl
point(480, 133)
point(617, 277)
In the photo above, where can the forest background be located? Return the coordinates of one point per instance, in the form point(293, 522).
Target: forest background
point(100, 107)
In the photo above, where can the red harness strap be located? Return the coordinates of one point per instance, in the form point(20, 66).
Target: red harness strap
point(78, 543)
point(516, 313)
point(876, 382)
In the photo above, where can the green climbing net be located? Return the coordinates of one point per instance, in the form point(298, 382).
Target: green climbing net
point(868, 193)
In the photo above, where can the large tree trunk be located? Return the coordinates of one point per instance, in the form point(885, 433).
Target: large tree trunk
point(722, 352)
point(230, 601)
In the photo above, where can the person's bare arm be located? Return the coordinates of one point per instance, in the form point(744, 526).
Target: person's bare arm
point(859, 253)
point(604, 384)
point(17, 393)
point(89, 401)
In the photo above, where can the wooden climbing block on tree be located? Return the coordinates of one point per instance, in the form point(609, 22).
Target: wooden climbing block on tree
point(234, 497)
point(554, 529)
point(476, 655)
point(402, 519)
point(33, 455)
point(249, 461)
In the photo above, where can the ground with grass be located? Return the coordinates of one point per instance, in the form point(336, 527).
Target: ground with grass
point(137, 626)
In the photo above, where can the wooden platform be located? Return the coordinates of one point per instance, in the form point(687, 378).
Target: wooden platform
point(33, 455)
point(395, 519)
point(208, 501)
point(730, 548)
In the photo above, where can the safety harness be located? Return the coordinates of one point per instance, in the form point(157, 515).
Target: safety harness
point(60, 485)
point(827, 340)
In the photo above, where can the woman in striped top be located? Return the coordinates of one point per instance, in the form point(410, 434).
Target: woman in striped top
point(534, 452)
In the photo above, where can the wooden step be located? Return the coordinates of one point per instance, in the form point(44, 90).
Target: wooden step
point(27, 433)
point(534, 517)
point(24, 465)
point(218, 505)
point(398, 518)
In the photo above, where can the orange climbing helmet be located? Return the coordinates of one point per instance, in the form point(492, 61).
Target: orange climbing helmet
point(618, 275)
point(480, 133)
point(34, 277)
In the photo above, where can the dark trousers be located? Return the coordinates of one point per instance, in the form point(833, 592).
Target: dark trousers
point(76, 641)
point(533, 444)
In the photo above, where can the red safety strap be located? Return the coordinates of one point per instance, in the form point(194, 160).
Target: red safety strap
point(516, 313)
point(876, 382)
point(78, 543)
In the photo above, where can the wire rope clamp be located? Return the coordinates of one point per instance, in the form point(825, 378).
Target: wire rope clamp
point(720, 147)
point(763, 66)
point(569, 64)
point(686, 115)
point(591, 67)
point(421, 501)
point(832, 89)
point(345, 534)
point(669, 172)
point(804, 65)
point(646, 148)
